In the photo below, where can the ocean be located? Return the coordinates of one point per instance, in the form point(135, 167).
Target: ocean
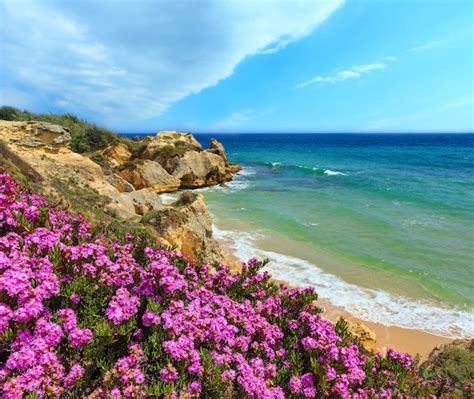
point(380, 224)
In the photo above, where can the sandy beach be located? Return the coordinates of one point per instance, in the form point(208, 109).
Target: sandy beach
point(391, 337)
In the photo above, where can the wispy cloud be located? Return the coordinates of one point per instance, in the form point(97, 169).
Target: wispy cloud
point(240, 118)
point(429, 45)
point(354, 72)
point(235, 119)
point(148, 55)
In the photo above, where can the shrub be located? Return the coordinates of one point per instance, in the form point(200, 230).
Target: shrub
point(88, 311)
point(9, 113)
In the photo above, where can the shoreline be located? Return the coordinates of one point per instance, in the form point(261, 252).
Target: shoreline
point(411, 341)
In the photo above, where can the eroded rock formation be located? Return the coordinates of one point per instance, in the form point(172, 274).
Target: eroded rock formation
point(187, 225)
point(124, 180)
point(150, 174)
point(364, 334)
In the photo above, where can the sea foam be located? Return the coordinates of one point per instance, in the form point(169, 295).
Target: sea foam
point(367, 304)
point(329, 172)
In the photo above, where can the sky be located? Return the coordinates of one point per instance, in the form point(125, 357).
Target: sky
point(243, 66)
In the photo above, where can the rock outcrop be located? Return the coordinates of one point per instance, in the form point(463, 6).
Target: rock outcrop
point(150, 174)
point(42, 135)
point(182, 156)
point(44, 148)
point(126, 179)
point(187, 225)
point(217, 148)
point(117, 155)
point(168, 144)
point(119, 183)
point(141, 201)
point(168, 161)
point(198, 169)
point(363, 334)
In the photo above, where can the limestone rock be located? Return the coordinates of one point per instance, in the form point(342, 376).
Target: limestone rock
point(233, 168)
point(119, 183)
point(168, 144)
point(198, 169)
point(366, 336)
point(140, 201)
point(150, 174)
point(217, 148)
point(172, 137)
point(118, 154)
point(188, 225)
point(35, 135)
point(64, 173)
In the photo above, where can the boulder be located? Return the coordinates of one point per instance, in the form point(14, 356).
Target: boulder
point(187, 225)
point(117, 155)
point(134, 204)
point(150, 174)
point(198, 169)
point(144, 200)
point(233, 168)
point(363, 334)
point(216, 147)
point(119, 183)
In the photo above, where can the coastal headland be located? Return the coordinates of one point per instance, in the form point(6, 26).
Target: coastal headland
point(124, 182)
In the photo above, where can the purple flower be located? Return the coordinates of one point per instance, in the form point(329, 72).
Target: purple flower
point(76, 372)
point(150, 318)
point(168, 374)
point(122, 307)
point(194, 387)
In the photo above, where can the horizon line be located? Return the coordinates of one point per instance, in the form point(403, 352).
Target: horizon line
point(294, 132)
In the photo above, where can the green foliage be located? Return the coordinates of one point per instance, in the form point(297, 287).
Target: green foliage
point(98, 158)
point(455, 362)
point(9, 113)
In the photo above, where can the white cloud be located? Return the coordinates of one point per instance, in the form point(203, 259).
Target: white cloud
point(240, 118)
point(235, 119)
point(130, 59)
point(429, 45)
point(354, 72)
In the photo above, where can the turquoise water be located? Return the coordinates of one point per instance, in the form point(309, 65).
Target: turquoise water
point(385, 219)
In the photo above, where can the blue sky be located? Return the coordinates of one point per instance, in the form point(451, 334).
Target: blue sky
point(243, 66)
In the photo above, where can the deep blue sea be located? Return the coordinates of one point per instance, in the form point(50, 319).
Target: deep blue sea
point(368, 219)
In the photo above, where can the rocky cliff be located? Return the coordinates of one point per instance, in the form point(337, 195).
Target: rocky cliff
point(124, 181)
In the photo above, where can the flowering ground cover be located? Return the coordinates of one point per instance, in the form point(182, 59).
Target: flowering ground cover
point(90, 311)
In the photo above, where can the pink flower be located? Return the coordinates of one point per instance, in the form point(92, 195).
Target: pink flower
point(194, 387)
point(76, 372)
point(122, 307)
point(168, 374)
point(150, 318)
